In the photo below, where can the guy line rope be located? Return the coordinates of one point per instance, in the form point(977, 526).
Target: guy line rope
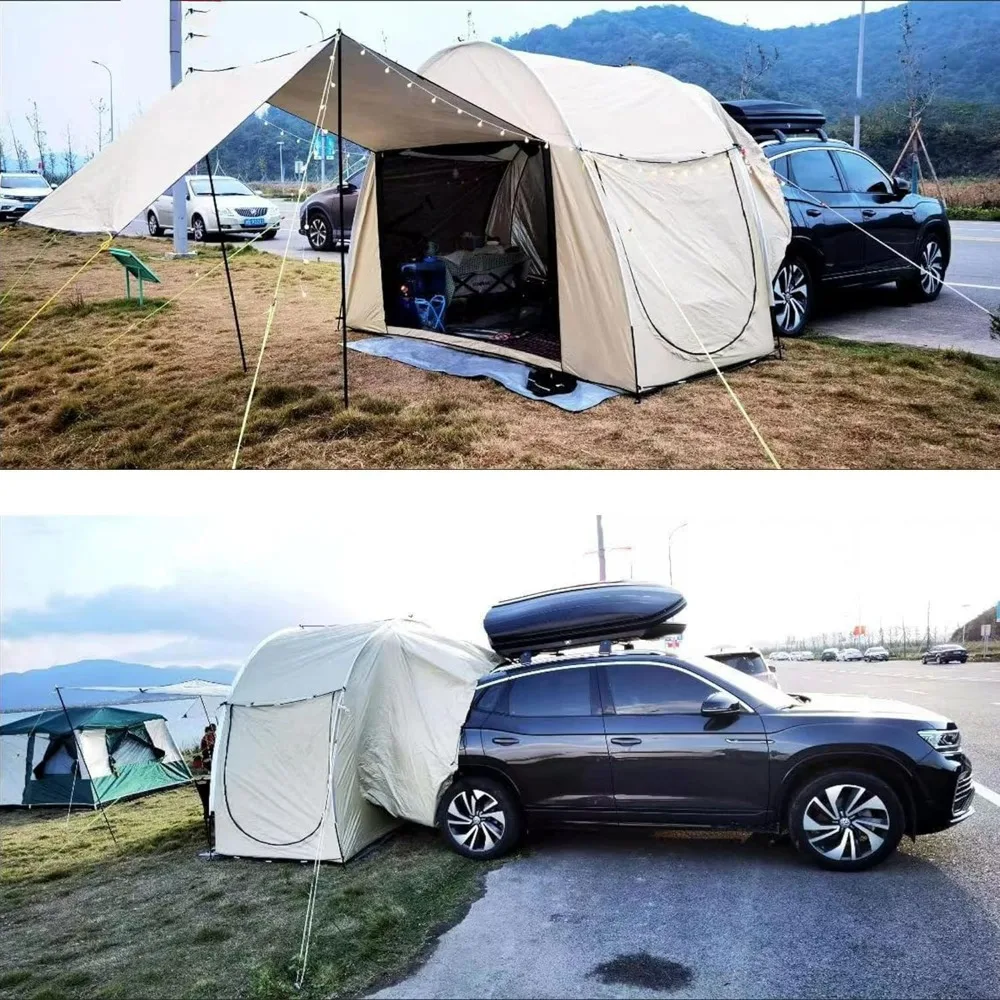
point(31, 264)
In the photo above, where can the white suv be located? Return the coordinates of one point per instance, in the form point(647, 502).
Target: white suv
point(849, 655)
point(240, 209)
point(21, 191)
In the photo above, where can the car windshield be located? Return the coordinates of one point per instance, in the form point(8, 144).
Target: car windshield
point(746, 663)
point(23, 181)
point(223, 186)
point(739, 684)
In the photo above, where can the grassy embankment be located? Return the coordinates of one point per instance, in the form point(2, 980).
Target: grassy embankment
point(95, 382)
point(975, 199)
point(81, 919)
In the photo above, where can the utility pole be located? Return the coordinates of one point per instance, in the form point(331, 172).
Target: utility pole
point(602, 573)
point(857, 92)
point(322, 131)
point(281, 162)
point(670, 551)
point(180, 185)
point(111, 95)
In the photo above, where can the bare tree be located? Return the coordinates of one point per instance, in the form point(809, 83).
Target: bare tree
point(38, 133)
point(919, 84)
point(755, 63)
point(100, 107)
point(3, 162)
point(70, 156)
point(470, 29)
point(20, 153)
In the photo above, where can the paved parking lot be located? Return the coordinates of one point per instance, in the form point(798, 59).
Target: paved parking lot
point(737, 916)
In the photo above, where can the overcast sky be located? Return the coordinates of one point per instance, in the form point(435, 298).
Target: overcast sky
point(47, 47)
point(762, 554)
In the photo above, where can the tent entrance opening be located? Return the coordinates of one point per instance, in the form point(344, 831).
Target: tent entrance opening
point(466, 244)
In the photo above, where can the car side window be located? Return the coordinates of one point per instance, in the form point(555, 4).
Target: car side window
point(647, 689)
point(862, 175)
point(551, 693)
point(780, 166)
point(814, 170)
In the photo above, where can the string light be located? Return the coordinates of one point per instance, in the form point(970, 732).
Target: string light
point(434, 100)
point(479, 125)
point(387, 69)
point(363, 51)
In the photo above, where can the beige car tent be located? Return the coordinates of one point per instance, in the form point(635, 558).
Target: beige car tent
point(333, 735)
point(631, 227)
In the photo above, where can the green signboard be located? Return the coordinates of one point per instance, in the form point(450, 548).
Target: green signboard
point(134, 268)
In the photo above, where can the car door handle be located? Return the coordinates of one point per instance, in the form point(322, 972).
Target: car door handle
point(868, 213)
point(814, 212)
point(625, 741)
point(505, 741)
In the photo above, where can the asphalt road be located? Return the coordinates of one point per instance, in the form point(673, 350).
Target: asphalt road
point(737, 916)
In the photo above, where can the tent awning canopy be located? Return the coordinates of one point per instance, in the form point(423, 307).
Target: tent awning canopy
point(56, 723)
point(384, 106)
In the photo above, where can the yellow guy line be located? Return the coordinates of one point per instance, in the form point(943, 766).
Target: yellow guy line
point(31, 264)
point(701, 344)
point(186, 288)
point(320, 118)
point(104, 246)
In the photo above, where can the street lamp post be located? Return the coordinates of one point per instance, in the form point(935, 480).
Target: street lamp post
point(857, 90)
point(322, 131)
point(111, 95)
point(670, 553)
point(281, 162)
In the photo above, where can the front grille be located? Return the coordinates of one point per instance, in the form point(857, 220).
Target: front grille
point(251, 213)
point(963, 792)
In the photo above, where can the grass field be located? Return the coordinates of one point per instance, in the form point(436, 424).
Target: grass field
point(80, 919)
point(96, 383)
point(976, 198)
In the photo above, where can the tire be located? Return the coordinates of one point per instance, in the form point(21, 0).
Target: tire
point(198, 230)
point(319, 232)
point(153, 225)
point(923, 287)
point(487, 799)
point(794, 295)
point(270, 234)
point(868, 812)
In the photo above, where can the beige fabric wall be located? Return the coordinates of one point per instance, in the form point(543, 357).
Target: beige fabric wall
point(365, 308)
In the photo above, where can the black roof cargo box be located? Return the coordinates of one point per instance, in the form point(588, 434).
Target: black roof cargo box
point(774, 118)
point(583, 616)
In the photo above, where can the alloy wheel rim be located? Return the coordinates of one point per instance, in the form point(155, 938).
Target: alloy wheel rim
point(476, 820)
point(791, 294)
point(317, 233)
point(932, 262)
point(846, 822)
point(151, 223)
point(199, 229)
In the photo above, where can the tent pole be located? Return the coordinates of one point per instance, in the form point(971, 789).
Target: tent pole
point(225, 260)
point(79, 764)
point(340, 201)
point(204, 709)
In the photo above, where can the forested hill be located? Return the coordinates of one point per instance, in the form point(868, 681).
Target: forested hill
point(815, 64)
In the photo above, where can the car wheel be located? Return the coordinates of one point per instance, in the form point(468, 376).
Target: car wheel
point(320, 235)
point(270, 234)
point(793, 297)
point(198, 229)
point(846, 820)
point(925, 285)
point(479, 818)
point(153, 225)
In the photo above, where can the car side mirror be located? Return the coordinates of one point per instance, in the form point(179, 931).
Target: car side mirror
point(720, 703)
point(188, 197)
point(901, 185)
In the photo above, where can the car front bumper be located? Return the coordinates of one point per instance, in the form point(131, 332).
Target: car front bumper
point(950, 792)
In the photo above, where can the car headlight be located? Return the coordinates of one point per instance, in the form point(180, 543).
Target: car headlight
point(942, 739)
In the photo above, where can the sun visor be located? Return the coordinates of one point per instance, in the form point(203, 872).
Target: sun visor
point(583, 616)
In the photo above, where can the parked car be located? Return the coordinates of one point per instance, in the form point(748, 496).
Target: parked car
point(21, 191)
point(875, 654)
point(829, 654)
point(779, 656)
point(850, 655)
point(747, 660)
point(947, 653)
point(319, 216)
point(658, 739)
point(828, 185)
point(240, 209)
point(806, 654)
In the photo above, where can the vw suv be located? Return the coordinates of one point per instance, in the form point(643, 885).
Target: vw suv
point(651, 739)
point(835, 195)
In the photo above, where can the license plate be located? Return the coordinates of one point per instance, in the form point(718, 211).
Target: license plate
point(254, 222)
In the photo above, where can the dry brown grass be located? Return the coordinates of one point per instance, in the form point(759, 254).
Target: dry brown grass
point(170, 393)
point(968, 192)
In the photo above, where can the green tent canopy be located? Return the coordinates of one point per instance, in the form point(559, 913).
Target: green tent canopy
point(87, 756)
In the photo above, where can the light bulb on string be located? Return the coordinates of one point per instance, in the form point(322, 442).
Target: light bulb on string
point(459, 110)
point(363, 51)
point(434, 100)
point(479, 125)
point(387, 69)
point(409, 84)
point(503, 132)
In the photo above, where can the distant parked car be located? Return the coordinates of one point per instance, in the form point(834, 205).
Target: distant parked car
point(319, 216)
point(946, 653)
point(850, 655)
point(240, 209)
point(20, 192)
point(836, 194)
point(779, 656)
point(748, 660)
point(829, 654)
point(876, 654)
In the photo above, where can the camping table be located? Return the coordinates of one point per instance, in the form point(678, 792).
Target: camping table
point(483, 272)
point(133, 266)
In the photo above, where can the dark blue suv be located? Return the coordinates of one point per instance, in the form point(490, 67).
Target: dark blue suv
point(828, 185)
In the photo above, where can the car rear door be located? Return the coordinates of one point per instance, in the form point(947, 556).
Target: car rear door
point(885, 215)
point(545, 732)
point(671, 764)
point(817, 183)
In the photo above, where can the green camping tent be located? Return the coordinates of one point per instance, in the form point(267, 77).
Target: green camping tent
point(83, 756)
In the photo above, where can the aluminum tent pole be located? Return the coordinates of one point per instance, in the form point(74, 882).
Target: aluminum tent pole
point(340, 201)
point(225, 260)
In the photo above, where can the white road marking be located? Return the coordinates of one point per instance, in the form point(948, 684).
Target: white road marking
point(989, 288)
point(913, 691)
point(978, 239)
point(984, 792)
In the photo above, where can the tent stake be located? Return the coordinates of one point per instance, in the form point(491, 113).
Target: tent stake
point(79, 764)
point(225, 260)
point(340, 200)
